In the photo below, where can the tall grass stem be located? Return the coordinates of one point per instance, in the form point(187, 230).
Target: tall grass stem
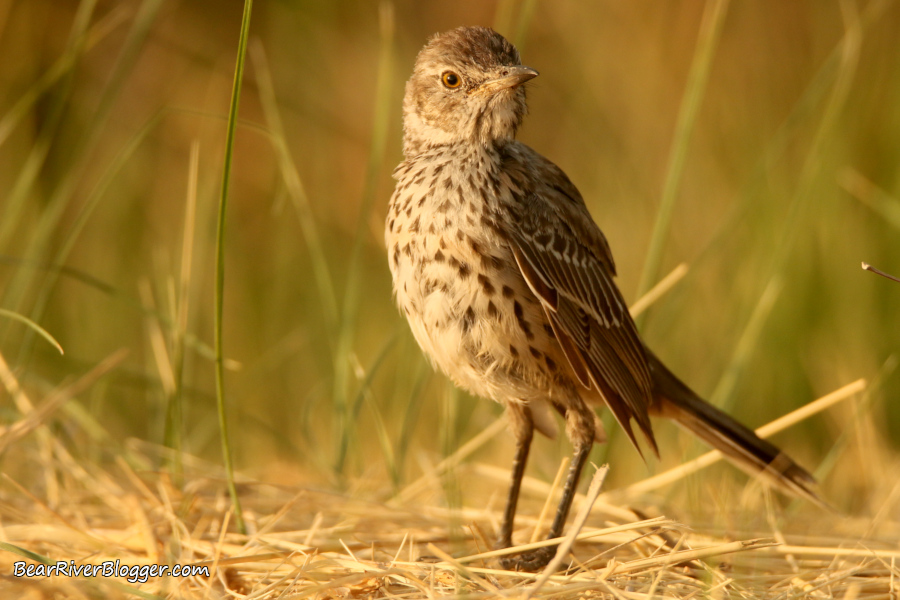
point(350, 311)
point(220, 266)
point(708, 37)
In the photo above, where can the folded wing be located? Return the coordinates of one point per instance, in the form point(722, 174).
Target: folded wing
point(566, 261)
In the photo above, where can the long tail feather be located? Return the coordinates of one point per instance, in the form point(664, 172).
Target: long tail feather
point(739, 444)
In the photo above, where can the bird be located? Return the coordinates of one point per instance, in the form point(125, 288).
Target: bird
point(508, 283)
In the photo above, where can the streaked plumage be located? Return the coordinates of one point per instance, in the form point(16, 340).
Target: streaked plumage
point(507, 282)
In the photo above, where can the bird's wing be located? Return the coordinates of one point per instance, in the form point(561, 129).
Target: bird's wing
point(566, 261)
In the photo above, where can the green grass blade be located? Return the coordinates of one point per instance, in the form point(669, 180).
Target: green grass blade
point(32, 556)
point(61, 196)
point(61, 73)
point(849, 50)
point(840, 72)
point(220, 265)
point(414, 405)
point(350, 311)
point(75, 47)
point(61, 67)
point(356, 405)
point(175, 408)
point(710, 30)
point(37, 328)
point(723, 394)
point(314, 245)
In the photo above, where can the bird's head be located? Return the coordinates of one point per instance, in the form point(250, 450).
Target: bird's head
point(466, 88)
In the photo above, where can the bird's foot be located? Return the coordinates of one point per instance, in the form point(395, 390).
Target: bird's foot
point(531, 561)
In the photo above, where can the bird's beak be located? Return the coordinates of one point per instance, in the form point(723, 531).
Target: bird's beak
point(514, 76)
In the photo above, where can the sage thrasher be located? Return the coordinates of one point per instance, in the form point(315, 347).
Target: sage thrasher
point(507, 282)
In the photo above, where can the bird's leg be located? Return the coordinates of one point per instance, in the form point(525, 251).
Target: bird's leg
point(523, 428)
point(580, 429)
point(579, 457)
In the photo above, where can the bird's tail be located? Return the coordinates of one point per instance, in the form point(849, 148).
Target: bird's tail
point(740, 445)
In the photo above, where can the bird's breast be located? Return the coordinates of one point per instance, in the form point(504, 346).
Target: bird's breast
point(457, 281)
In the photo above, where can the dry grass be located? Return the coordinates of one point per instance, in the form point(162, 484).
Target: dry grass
point(315, 543)
point(777, 142)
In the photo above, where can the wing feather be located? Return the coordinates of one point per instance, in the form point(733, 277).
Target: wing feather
point(565, 259)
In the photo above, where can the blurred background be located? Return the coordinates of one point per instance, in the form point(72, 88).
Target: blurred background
point(112, 112)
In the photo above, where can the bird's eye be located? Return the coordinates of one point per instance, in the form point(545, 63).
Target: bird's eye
point(451, 79)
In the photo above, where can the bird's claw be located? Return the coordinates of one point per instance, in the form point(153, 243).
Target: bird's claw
point(531, 561)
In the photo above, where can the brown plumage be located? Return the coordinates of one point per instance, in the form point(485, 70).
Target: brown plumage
point(507, 282)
